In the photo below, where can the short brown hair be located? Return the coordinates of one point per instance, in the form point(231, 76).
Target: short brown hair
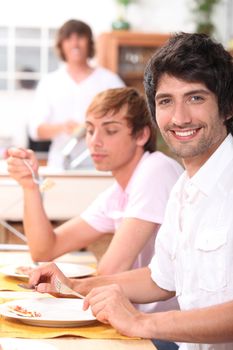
point(134, 106)
point(77, 27)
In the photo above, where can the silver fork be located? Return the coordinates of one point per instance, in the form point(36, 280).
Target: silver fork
point(35, 178)
point(64, 289)
point(43, 184)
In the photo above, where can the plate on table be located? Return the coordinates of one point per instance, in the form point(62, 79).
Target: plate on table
point(24, 344)
point(48, 312)
point(69, 270)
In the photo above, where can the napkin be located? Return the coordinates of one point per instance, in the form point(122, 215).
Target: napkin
point(9, 283)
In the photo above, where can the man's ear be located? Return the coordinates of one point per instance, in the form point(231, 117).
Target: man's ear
point(143, 136)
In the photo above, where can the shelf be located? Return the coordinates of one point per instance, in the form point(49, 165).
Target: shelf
point(127, 53)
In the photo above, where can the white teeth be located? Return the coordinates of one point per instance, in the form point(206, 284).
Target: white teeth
point(185, 133)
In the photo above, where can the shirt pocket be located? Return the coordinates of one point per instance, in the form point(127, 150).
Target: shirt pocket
point(211, 248)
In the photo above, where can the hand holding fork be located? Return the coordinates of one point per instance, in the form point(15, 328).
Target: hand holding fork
point(60, 287)
point(43, 184)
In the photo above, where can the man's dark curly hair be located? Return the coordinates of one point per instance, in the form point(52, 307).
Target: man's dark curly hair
point(194, 58)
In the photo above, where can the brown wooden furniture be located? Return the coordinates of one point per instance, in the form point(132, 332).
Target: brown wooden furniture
point(126, 53)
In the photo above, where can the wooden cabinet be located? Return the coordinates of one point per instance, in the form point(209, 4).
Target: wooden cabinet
point(126, 53)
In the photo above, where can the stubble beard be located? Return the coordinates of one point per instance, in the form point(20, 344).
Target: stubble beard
point(187, 149)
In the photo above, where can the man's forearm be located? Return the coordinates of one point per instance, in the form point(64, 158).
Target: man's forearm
point(136, 284)
point(207, 325)
point(49, 131)
point(37, 227)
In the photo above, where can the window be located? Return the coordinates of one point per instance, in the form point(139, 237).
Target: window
point(25, 55)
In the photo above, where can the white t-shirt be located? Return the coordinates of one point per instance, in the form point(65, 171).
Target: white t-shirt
point(194, 254)
point(145, 198)
point(59, 98)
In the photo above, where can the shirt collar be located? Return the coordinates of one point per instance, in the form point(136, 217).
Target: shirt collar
point(207, 176)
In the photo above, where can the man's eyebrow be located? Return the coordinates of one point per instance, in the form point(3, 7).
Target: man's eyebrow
point(188, 93)
point(162, 95)
point(197, 91)
point(106, 122)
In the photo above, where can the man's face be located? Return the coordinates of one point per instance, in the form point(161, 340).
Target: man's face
point(110, 142)
point(75, 48)
point(188, 118)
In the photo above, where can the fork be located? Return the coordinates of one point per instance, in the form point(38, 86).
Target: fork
point(35, 178)
point(44, 184)
point(64, 289)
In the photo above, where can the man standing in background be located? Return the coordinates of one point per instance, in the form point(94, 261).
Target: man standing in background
point(62, 97)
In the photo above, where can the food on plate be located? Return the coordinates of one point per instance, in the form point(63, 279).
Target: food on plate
point(21, 311)
point(46, 185)
point(23, 270)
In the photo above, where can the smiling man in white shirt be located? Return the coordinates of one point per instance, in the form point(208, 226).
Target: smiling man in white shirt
point(189, 86)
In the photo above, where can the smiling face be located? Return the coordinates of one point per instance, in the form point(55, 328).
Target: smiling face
point(75, 48)
point(111, 144)
point(188, 117)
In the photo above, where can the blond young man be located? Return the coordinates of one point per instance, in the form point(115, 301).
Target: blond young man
point(121, 139)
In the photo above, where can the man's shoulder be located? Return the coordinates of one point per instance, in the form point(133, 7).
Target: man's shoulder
point(110, 191)
point(52, 78)
point(155, 171)
point(104, 71)
point(158, 159)
point(105, 74)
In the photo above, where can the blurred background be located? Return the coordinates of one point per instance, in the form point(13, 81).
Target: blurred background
point(28, 27)
point(126, 33)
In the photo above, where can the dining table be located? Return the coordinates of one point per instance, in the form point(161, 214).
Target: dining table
point(22, 336)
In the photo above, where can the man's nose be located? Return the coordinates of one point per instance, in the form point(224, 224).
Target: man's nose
point(96, 139)
point(181, 115)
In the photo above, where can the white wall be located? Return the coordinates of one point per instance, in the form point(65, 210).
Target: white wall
point(146, 15)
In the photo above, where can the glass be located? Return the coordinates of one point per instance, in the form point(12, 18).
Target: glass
point(134, 59)
point(3, 58)
point(53, 60)
point(130, 60)
point(28, 33)
point(27, 59)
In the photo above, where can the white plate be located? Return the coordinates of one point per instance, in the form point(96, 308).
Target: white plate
point(69, 270)
point(55, 312)
point(25, 344)
point(75, 270)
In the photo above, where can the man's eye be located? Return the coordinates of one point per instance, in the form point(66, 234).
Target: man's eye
point(196, 98)
point(164, 101)
point(90, 131)
point(111, 131)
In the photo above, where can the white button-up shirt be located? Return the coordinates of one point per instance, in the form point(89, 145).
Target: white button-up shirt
point(194, 247)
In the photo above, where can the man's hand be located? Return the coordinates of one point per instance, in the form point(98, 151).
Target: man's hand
point(17, 168)
point(43, 278)
point(110, 305)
